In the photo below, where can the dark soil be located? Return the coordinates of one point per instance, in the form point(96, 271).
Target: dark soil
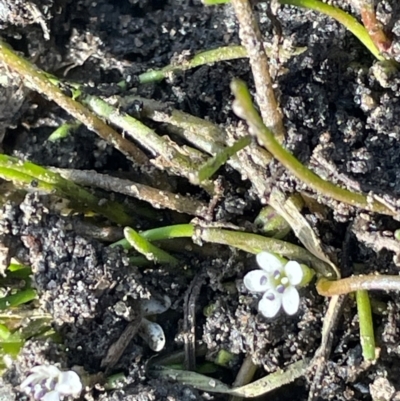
point(342, 118)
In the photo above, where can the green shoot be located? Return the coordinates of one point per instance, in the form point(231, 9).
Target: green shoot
point(344, 18)
point(255, 389)
point(214, 2)
point(150, 251)
point(62, 131)
point(366, 325)
point(19, 298)
point(371, 36)
point(251, 243)
point(243, 107)
point(214, 163)
point(32, 176)
point(206, 57)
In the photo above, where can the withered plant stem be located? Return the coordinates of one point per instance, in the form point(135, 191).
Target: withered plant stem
point(251, 38)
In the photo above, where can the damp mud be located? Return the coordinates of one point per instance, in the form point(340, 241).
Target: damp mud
point(341, 111)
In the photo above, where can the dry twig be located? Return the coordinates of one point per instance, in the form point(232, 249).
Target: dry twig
point(251, 39)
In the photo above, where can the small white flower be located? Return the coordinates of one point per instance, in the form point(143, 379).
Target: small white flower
point(48, 383)
point(277, 280)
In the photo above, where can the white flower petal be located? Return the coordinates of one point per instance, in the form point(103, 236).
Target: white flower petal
point(38, 391)
point(69, 383)
point(291, 300)
point(293, 272)
point(38, 374)
point(46, 370)
point(153, 334)
point(30, 380)
point(51, 396)
point(257, 281)
point(270, 303)
point(269, 262)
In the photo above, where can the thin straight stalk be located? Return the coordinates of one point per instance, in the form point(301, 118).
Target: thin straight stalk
point(169, 154)
point(157, 198)
point(205, 57)
point(374, 27)
point(252, 40)
point(328, 288)
point(367, 336)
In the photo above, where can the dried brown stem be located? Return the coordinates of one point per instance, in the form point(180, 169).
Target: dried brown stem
point(252, 40)
point(117, 349)
point(373, 26)
point(157, 198)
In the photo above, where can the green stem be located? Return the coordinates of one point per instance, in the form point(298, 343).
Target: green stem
point(21, 274)
point(244, 108)
point(328, 288)
point(159, 199)
point(206, 57)
point(256, 389)
point(4, 332)
point(31, 176)
point(207, 137)
point(21, 297)
point(115, 381)
point(170, 156)
point(168, 232)
point(247, 242)
point(253, 243)
point(161, 233)
point(244, 376)
point(38, 80)
point(63, 131)
point(139, 261)
point(344, 18)
point(214, 2)
point(147, 249)
point(366, 325)
point(214, 163)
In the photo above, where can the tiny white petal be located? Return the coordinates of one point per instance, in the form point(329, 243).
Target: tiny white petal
point(38, 392)
point(51, 396)
point(270, 303)
point(294, 272)
point(153, 334)
point(69, 383)
point(269, 262)
point(46, 370)
point(257, 281)
point(38, 374)
point(291, 300)
point(31, 379)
